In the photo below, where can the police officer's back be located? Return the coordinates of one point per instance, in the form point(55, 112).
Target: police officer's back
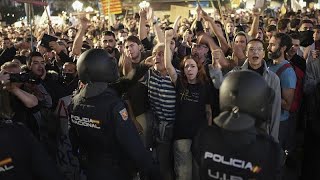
point(22, 157)
point(101, 129)
point(234, 148)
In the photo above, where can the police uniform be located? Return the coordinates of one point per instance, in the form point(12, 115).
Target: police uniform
point(22, 156)
point(229, 155)
point(234, 148)
point(101, 131)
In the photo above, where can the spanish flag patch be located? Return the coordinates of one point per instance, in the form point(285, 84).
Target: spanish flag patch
point(124, 114)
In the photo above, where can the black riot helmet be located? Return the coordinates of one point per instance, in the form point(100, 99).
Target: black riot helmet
point(245, 101)
point(97, 65)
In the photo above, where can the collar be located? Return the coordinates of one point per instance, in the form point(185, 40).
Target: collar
point(246, 66)
point(94, 89)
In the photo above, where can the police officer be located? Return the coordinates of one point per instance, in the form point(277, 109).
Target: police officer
point(101, 130)
point(234, 148)
point(22, 156)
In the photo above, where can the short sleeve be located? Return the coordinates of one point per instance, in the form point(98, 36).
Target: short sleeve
point(288, 79)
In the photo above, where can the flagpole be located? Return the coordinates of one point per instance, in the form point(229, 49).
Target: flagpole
point(30, 7)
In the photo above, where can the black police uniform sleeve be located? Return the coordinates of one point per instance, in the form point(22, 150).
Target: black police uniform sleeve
point(42, 166)
point(128, 137)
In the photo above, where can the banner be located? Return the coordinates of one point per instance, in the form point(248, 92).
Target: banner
point(114, 6)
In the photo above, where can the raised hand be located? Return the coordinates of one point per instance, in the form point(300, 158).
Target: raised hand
point(256, 12)
point(150, 61)
point(55, 46)
point(143, 13)
point(216, 56)
point(169, 34)
point(84, 22)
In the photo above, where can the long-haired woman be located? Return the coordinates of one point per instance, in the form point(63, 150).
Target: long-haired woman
point(193, 109)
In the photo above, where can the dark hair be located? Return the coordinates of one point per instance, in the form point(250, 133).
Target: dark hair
point(290, 13)
point(256, 40)
point(19, 39)
point(285, 40)
point(295, 36)
point(218, 22)
point(316, 27)
point(294, 23)
point(33, 54)
point(134, 39)
point(239, 28)
point(283, 24)
point(58, 34)
point(240, 33)
point(109, 33)
point(73, 28)
point(271, 28)
point(306, 21)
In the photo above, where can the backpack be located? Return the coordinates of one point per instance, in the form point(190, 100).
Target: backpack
point(298, 93)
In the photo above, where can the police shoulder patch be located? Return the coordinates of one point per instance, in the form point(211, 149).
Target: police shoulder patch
point(124, 114)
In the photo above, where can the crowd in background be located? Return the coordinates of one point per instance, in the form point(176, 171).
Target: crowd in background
point(178, 93)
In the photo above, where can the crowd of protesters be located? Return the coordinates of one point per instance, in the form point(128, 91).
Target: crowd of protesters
point(179, 93)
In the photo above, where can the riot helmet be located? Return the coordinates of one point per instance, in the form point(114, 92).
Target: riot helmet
point(245, 101)
point(97, 65)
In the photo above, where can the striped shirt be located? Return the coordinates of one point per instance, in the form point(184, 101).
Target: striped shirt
point(162, 95)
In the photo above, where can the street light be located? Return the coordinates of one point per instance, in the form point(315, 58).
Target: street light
point(77, 5)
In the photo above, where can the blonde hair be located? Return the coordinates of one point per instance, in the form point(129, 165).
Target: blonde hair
point(158, 47)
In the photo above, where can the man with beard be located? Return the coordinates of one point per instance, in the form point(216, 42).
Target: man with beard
point(280, 44)
point(108, 42)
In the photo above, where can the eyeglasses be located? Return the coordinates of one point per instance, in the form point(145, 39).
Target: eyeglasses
point(255, 50)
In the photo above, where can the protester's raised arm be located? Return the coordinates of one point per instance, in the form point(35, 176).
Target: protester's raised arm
point(78, 41)
point(142, 24)
point(255, 24)
point(176, 24)
point(168, 56)
point(158, 32)
point(217, 31)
